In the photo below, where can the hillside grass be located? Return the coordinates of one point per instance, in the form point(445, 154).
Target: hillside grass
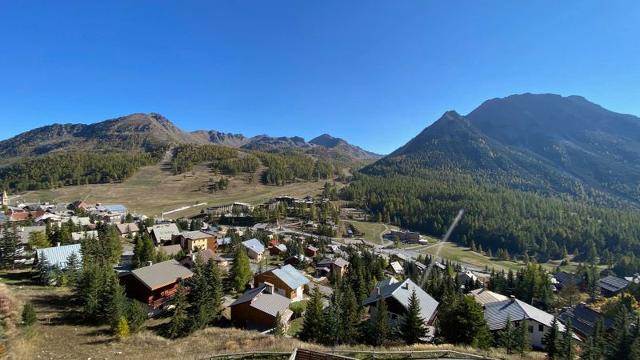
point(454, 252)
point(153, 190)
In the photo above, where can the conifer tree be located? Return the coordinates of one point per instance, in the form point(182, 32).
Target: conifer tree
point(568, 347)
point(122, 327)
point(278, 331)
point(412, 327)
point(523, 337)
point(29, 314)
point(312, 324)
point(379, 329)
point(552, 340)
point(350, 315)
point(508, 336)
point(179, 325)
point(240, 271)
point(331, 332)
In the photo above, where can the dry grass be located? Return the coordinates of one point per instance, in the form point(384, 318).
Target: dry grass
point(153, 190)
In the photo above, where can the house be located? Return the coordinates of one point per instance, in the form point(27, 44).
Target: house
point(483, 296)
point(204, 256)
point(278, 249)
point(258, 308)
point(79, 205)
point(127, 229)
point(396, 268)
point(311, 251)
point(223, 243)
point(538, 321)
point(287, 281)
point(255, 248)
point(194, 241)
point(337, 266)
point(396, 294)
point(80, 235)
point(24, 232)
point(563, 278)
point(81, 220)
point(156, 284)
point(296, 260)
point(57, 256)
point(467, 277)
point(404, 236)
point(612, 285)
point(162, 234)
point(584, 320)
point(170, 250)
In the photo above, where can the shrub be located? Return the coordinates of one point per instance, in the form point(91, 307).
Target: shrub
point(28, 315)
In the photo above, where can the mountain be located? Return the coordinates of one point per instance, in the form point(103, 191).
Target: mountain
point(145, 132)
point(536, 142)
point(341, 146)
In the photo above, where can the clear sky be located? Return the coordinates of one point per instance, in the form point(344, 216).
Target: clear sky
point(372, 72)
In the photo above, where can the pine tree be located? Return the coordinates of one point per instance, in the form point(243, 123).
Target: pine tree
point(312, 324)
point(568, 351)
point(552, 340)
point(179, 324)
point(136, 316)
point(523, 337)
point(72, 270)
point(278, 331)
point(8, 247)
point(116, 303)
point(44, 269)
point(412, 328)
point(240, 271)
point(507, 337)
point(379, 330)
point(29, 315)
point(621, 340)
point(350, 315)
point(331, 332)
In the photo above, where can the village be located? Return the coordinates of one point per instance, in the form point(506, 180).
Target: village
point(275, 261)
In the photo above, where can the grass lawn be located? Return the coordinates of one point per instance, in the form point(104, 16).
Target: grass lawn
point(152, 190)
point(371, 230)
point(454, 252)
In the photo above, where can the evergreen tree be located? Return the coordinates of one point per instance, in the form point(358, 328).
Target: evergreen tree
point(312, 324)
point(8, 247)
point(379, 329)
point(350, 315)
point(240, 271)
point(116, 303)
point(462, 322)
point(278, 331)
point(508, 337)
point(412, 327)
point(122, 327)
point(621, 339)
point(136, 316)
point(179, 325)
point(29, 314)
point(72, 270)
point(38, 240)
point(568, 351)
point(331, 333)
point(552, 340)
point(44, 269)
point(522, 341)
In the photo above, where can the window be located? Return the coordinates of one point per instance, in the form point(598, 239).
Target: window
point(531, 329)
point(540, 327)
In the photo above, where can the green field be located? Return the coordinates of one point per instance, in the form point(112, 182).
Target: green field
point(372, 231)
point(453, 252)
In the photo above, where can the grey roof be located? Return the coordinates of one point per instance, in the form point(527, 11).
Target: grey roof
point(290, 276)
point(164, 232)
point(112, 208)
point(613, 283)
point(127, 228)
point(25, 232)
point(282, 247)
point(79, 235)
point(58, 255)
point(255, 245)
point(584, 319)
point(401, 292)
point(224, 241)
point(339, 262)
point(194, 235)
point(496, 314)
point(161, 274)
point(170, 250)
point(268, 303)
point(484, 296)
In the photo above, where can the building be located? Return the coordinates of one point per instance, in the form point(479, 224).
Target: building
point(396, 268)
point(162, 234)
point(396, 294)
point(194, 241)
point(484, 296)
point(311, 251)
point(287, 281)
point(156, 284)
point(258, 308)
point(204, 256)
point(612, 285)
point(127, 229)
point(80, 235)
point(337, 266)
point(255, 249)
point(277, 249)
point(563, 279)
point(4, 198)
point(236, 207)
point(538, 321)
point(467, 277)
point(404, 236)
point(170, 250)
point(57, 256)
point(584, 320)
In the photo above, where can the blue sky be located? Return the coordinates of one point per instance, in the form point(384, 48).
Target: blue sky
point(372, 72)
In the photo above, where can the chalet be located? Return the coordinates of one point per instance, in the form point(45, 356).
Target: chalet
point(396, 294)
point(204, 256)
point(154, 285)
point(563, 278)
point(584, 320)
point(81, 220)
point(396, 268)
point(255, 248)
point(296, 260)
point(258, 308)
point(467, 277)
point(127, 229)
point(484, 296)
point(162, 234)
point(612, 285)
point(194, 241)
point(287, 281)
point(277, 249)
point(18, 216)
point(57, 256)
point(337, 266)
point(79, 205)
point(311, 251)
point(80, 235)
point(538, 321)
point(170, 250)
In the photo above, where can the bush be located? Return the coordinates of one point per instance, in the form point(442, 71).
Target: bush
point(122, 330)
point(298, 308)
point(136, 316)
point(28, 315)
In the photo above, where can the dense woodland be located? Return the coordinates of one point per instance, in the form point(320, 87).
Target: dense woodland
point(73, 168)
point(501, 220)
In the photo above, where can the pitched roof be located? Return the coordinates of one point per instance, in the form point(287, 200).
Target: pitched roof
point(268, 303)
point(339, 262)
point(397, 268)
point(290, 276)
point(127, 228)
point(401, 292)
point(79, 235)
point(58, 255)
point(161, 274)
point(195, 235)
point(584, 319)
point(164, 232)
point(484, 296)
point(496, 313)
point(613, 283)
point(170, 250)
point(254, 245)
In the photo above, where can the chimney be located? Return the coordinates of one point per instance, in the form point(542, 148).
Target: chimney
point(378, 293)
point(268, 288)
point(512, 298)
point(57, 244)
